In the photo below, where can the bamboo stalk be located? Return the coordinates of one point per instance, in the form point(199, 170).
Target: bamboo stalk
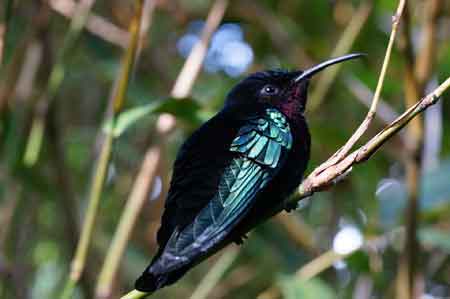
point(182, 88)
point(134, 204)
point(100, 170)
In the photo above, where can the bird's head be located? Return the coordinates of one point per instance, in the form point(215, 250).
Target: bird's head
point(285, 90)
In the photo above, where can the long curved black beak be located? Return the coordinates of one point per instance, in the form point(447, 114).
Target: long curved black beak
point(323, 65)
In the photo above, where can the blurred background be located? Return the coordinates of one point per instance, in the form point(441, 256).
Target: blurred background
point(79, 147)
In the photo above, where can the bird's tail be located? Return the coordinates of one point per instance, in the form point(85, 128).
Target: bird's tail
point(150, 282)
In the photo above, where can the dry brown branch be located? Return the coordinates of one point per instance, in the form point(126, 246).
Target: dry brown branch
point(2, 41)
point(147, 18)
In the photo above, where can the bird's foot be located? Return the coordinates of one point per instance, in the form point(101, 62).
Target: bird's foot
point(291, 207)
point(240, 240)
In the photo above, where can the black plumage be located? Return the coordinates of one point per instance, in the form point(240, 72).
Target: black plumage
point(233, 170)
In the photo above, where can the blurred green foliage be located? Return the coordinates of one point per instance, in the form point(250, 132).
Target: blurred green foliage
point(42, 206)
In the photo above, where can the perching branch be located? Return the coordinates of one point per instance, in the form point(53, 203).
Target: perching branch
point(342, 162)
point(318, 181)
point(344, 150)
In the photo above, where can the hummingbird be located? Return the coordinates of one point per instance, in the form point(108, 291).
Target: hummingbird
point(233, 170)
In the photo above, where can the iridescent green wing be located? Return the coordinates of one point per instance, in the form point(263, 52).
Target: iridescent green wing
point(262, 146)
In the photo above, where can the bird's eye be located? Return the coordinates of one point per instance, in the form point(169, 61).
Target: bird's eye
point(269, 90)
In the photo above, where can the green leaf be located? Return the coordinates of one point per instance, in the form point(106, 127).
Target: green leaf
point(186, 110)
point(293, 288)
point(127, 118)
point(435, 238)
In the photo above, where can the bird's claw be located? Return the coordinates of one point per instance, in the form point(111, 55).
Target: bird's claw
point(289, 207)
point(240, 240)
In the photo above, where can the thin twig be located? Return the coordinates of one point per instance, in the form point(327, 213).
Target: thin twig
point(147, 19)
point(343, 151)
point(101, 167)
point(2, 41)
